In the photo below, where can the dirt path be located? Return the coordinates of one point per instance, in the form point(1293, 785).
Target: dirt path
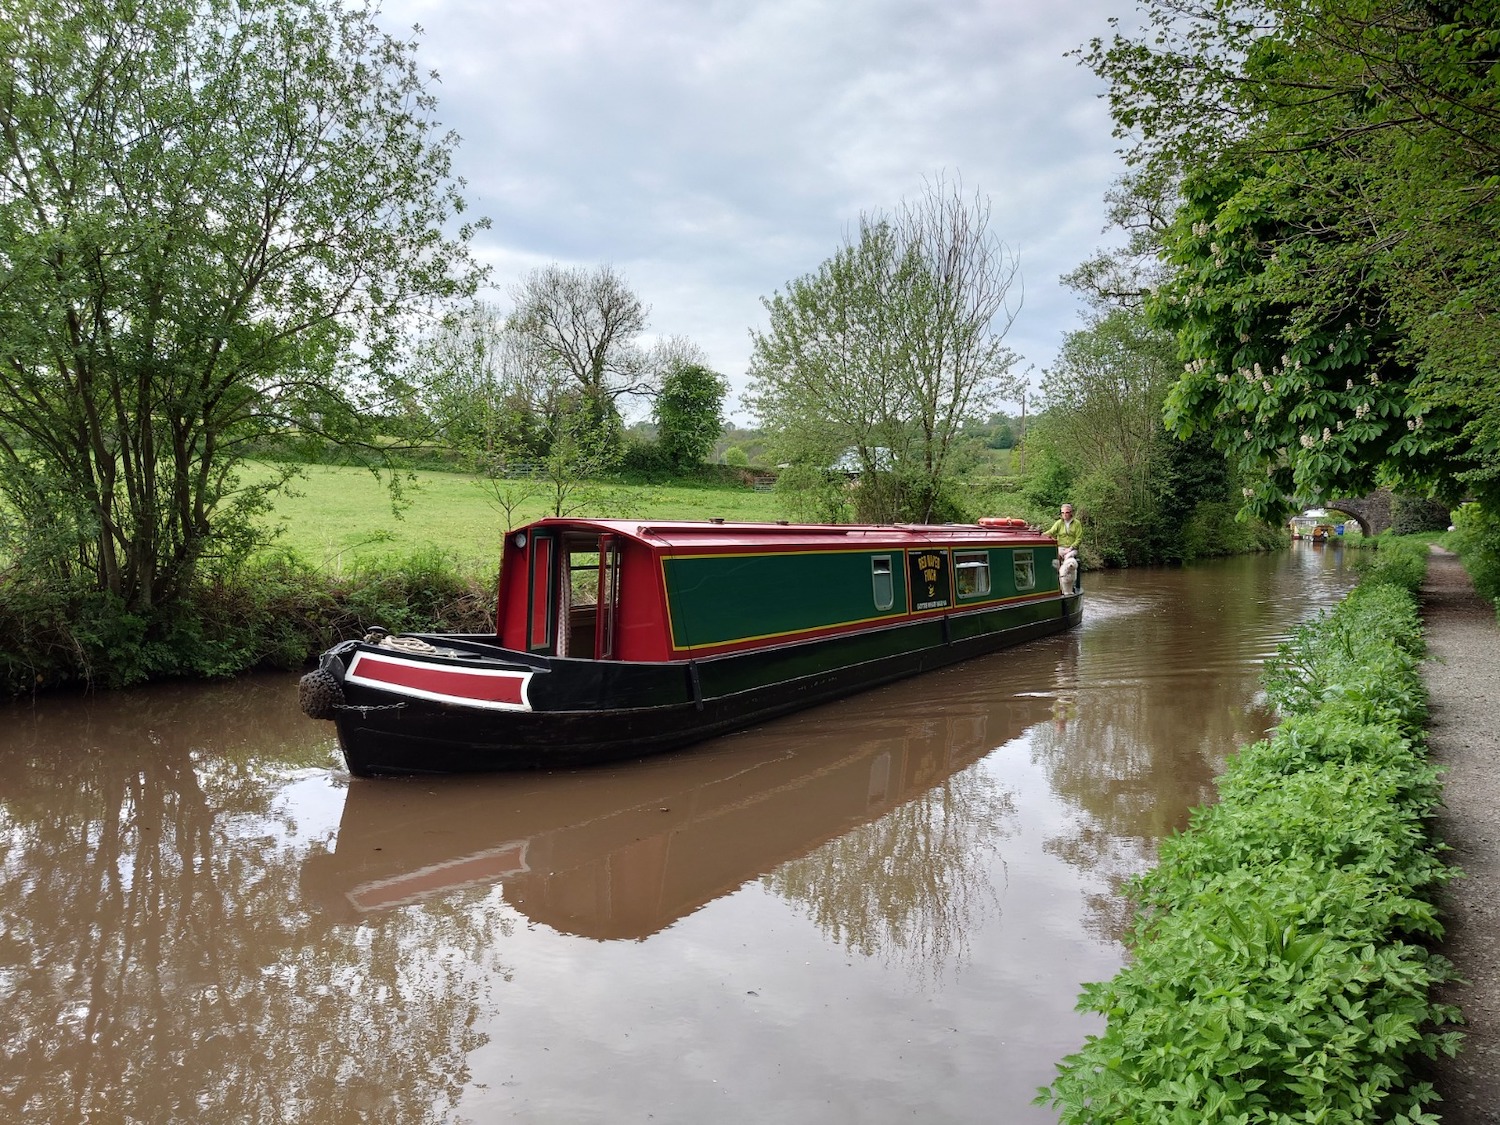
point(1462, 673)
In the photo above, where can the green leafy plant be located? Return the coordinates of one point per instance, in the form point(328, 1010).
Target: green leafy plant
point(1280, 970)
point(1476, 537)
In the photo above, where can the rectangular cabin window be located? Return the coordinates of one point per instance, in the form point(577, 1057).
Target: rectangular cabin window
point(972, 573)
point(539, 617)
point(1025, 571)
point(885, 586)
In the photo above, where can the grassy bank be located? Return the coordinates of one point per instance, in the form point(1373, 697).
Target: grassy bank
point(342, 561)
point(1280, 968)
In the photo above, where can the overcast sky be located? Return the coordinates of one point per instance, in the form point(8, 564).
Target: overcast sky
point(711, 151)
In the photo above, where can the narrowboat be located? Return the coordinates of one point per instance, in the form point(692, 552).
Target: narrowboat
point(617, 638)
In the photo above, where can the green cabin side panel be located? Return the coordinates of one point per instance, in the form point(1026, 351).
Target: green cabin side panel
point(1003, 573)
point(1045, 561)
point(722, 599)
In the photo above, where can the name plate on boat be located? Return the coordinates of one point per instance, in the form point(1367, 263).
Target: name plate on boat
point(931, 586)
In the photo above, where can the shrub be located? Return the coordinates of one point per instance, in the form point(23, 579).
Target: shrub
point(1363, 658)
point(276, 612)
point(1394, 560)
point(644, 459)
point(1476, 537)
point(1213, 530)
point(1412, 515)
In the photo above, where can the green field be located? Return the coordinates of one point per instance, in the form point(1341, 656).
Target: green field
point(335, 516)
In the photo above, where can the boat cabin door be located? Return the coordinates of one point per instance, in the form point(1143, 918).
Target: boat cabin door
point(573, 595)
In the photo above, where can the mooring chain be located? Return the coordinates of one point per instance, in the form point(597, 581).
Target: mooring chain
point(365, 709)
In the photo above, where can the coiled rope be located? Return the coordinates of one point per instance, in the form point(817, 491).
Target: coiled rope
point(401, 644)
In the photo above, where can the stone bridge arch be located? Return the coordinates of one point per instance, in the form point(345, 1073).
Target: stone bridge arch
point(1372, 512)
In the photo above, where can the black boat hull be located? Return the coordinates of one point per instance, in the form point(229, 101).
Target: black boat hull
point(585, 712)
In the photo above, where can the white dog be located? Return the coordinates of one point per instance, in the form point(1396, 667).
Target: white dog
point(1067, 571)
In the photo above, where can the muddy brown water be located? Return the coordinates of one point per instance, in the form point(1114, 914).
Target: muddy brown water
point(880, 910)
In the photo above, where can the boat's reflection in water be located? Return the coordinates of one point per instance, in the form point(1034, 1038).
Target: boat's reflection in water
point(624, 851)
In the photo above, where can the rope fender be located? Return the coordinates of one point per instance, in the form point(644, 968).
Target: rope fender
point(320, 694)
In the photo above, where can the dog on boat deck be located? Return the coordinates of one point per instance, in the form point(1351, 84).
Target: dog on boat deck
point(1067, 571)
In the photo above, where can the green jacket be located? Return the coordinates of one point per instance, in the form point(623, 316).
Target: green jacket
point(1069, 534)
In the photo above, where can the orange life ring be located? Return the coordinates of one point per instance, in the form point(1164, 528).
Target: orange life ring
point(1001, 521)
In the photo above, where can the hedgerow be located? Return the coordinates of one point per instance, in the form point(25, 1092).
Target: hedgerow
point(1281, 969)
point(277, 612)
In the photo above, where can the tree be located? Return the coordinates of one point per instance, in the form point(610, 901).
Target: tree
point(470, 391)
point(1099, 435)
point(1105, 393)
point(689, 414)
point(1307, 404)
point(1100, 442)
point(470, 394)
point(578, 451)
point(580, 327)
point(886, 351)
point(1001, 432)
point(521, 418)
point(1337, 159)
point(1141, 205)
point(215, 224)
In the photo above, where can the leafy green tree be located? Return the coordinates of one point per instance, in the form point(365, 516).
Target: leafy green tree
point(1104, 394)
point(1307, 406)
point(1338, 234)
point(689, 414)
point(469, 392)
point(579, 450)
point(881, 356)
point(1476, 535)
point(576, 332)
point(215, 223)
point(1101, 418)
point(1100, 443)
point(1002, 435)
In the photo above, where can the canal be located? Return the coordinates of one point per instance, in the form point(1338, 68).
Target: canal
point(878, 911)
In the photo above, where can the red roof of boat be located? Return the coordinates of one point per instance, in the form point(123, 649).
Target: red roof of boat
point(723, 533)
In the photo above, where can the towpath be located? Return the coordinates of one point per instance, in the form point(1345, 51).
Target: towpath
point(1462, 673)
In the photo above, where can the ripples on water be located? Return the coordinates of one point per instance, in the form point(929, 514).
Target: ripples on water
point(880, 910)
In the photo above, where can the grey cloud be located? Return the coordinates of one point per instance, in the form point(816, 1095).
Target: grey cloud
point(715, 151)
